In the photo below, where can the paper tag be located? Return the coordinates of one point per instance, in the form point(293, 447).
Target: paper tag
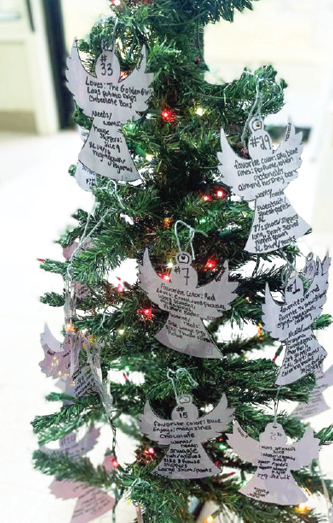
point(85, 382)
point(85, 178)
point(57, 356)
point(291, 323)
point(92, 502)
point(187, 305)
point(73, 448)
point(274, 459)
point(264, 178)
point(110, 100)
point(316, 403)
point(184, 434)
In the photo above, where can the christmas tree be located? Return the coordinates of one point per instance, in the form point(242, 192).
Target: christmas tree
point(167, 156)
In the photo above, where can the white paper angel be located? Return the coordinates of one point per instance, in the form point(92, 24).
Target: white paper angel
point(274, 459)
point(72, 447)
point(184, 434)
point(110, 100)
point(60, 359)
point(91, 503)
point(264, 178)
point(187, 305)
point(291, 323)
point(316, 403)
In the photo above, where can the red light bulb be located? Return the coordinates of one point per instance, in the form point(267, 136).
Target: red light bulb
point(168, 115)
point(206, 198)
point(151, 450)
point(220, 193)
point(114, 463)
point(166, 277)
point(211, 264)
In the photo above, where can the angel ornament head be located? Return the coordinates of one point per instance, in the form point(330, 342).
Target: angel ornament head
point(275, 459)
point(110, 100)
point(263, 178)
point(187, 305)
point(184, 435)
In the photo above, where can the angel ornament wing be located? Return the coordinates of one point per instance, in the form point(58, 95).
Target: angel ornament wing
point(73, 447)
point(316, 403)
point(263, 178)
point(110, 100)
point(291, 323)
point(91, 503)
point(274, 459)
point(187, 305)
point(184, 434)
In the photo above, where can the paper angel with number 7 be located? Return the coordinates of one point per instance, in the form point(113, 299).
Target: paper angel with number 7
point(187, 305)
point(263, 178)
point(274, 459)
point(184, 434)
point(110, 99)
point(291, 323)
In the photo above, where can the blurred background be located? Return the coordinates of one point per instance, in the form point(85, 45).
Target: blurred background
point(37, 196)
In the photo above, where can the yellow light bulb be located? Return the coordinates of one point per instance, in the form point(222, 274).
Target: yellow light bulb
point(121, 331)
point(149, 157)
point(200, 111)
point(303, 507)
point(210, 519)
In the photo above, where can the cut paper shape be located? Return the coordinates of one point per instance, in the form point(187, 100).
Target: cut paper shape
point(291, 323)
point(184, 434)
point(92, 502)
point(187, 305)
point(264, 178)
point(57, 359)
point(60, 359)
point(110, 100)
point(274, 459)
point(316, 403)
point(73, 448)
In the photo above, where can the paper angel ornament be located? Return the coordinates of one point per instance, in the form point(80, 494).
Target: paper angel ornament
point(316, 403)
point(60, 358)
point(274, 459)
point(184, 434)
point(110, 100)
point(291, 323)
point(92, 502)
point(187, 305)
point(72, 447)
point(263, 178)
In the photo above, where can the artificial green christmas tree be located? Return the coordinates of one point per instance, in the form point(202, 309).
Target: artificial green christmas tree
point(171, 211)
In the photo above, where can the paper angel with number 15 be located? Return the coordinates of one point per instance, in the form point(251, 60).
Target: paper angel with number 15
point(110, 100)
point(274, 459)
point(263, 178)
point(184, 434)
point(291, 323)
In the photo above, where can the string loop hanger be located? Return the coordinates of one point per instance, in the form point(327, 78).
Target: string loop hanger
point(85, 236)
point(257, 105)
point(192, 233)
point(173, 375)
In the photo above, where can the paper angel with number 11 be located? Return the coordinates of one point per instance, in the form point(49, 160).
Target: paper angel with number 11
point(110, 100)
point(184, 435)
point(291, 323)
point(263, 178)
point(187, 305)
point(274, 459)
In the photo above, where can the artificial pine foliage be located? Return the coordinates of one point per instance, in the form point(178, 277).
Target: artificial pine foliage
point(175, 148)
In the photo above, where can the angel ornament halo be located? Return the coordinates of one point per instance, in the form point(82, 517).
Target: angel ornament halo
point(110, 99)
point(263, 178)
